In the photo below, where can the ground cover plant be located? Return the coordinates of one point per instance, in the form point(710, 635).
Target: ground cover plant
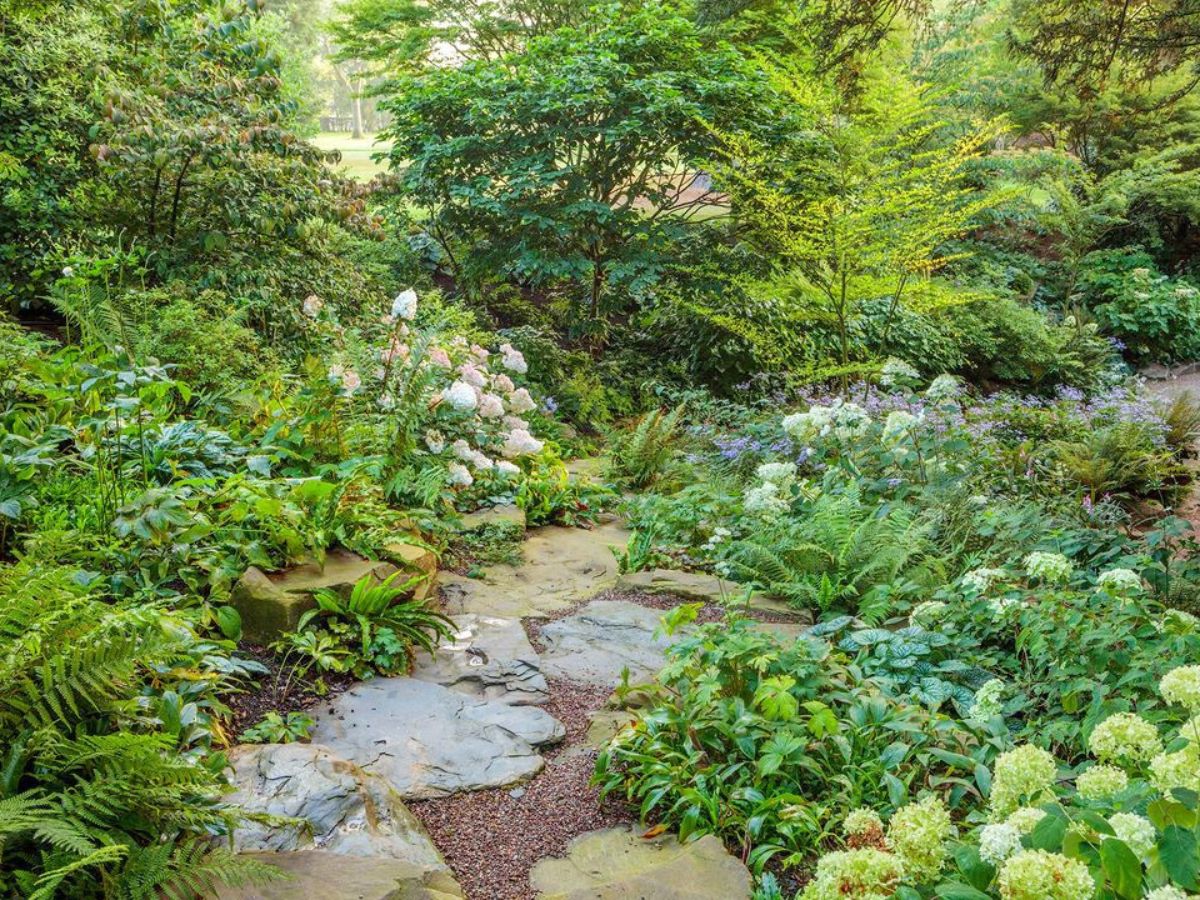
point(850, 301)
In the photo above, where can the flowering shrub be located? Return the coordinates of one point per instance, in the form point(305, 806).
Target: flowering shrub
point(1119, 830)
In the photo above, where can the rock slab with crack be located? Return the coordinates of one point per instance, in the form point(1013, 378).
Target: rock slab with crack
point(429, 741)
point(490, 658)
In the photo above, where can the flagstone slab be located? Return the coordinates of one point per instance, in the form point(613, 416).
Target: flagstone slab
point(619, 864)
point(428, 741)
point(604, 638)
point(489, 658)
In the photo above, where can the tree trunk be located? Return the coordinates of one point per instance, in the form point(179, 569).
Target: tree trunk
point(356, 111)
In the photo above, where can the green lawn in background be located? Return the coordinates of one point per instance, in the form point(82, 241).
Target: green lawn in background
point(356, 153)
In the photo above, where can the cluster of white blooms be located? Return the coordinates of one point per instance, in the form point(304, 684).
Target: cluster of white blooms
point(1022, 776)
point(998, 842)
point(1124, 737)
point(313, 305)
point(1101, 782)
point(513, 360)
point(917, 834)
point(461, 396)
point(942, 388)
point(719, 536)
point(1136, 831)
point(864, 874)
point(506, 468)
point(1176, 621)
point(1041, 875)
point(979, 580)
point(520, 401)
point(841, 419)
point(862, 821)
point(1168, 892)
point(458, 476)
point(1052, 568)
point(1120, 582)
point(405, 305)
point(520, 443)
point(479, 461)
point(1182, 685)
point(897, 372)
point(1179, 769)
point(988, 702)
point(764, 500)
point(926, 613)
point(1025, 818)
point(490, 406)
point(898, 425)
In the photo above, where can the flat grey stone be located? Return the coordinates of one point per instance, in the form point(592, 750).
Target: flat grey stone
point(705, 588)
point(604, 638)
point(490, 658)
point(429, 741)
point(330, 876)
point(619, 864)
point(505, 513)
point(344, 809)
point(561, 566)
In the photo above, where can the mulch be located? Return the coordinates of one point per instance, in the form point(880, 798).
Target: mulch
point(275, 692)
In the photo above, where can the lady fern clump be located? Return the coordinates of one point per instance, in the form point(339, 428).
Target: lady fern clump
point(97, 797)
point(643, 455)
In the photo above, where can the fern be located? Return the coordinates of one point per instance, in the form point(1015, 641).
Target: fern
point(642, 456)
point(96, 800)
point(840, 554)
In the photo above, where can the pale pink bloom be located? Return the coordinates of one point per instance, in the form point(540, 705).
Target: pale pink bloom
point(503, 384)
point(472, 375)
point(350, 381)
point(514, 360)
point(440, 357)
point(312, 305)
point(479, 353)
point(520, 401)
point(520, 442)
point(491, 406)
point(395, 351)
point(515, 422)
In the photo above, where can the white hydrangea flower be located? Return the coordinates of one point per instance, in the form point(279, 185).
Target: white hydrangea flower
point(897, 371)
point(513, 359)
point(1167, 892)
point(850, 420)
point(461, 396)
point(435, 441)
point(503, 384)
point(458, 476)
point(472, 375)
point(1021, 776)
point(944, 387)
point(979, 580)
point(1180, 769)
point(804, 427)
point(313, 305)
point(1040, 875)
point(1182, 685)
point(988, 702)
point(926, 613)
point(764, 499)
point(1120, 582)
point(506, 468)
point(1176, 621)
point(520, 442)
point(1136, 831)
point(519, 401)
point(998, 842)
point(491, 407)
point(1025, 818)
point(898, 425)
point(778, 472)
point(405, 305)
point(1124, 737)
point(1101, 782)
point(1053, 568)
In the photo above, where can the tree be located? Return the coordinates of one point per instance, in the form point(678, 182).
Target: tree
point(856, 211)
point(576, 159)
point(1086, 43)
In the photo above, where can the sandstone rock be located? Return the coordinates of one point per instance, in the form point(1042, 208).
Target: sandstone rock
point(602, 639)
point(415, 559)
point(619, 864)
point(330, 876)
point(561, 567)
point(704, 588)
point(345, 809)
point(271, 604)
point(508, 513)
point(429, 741)
point(489, 658)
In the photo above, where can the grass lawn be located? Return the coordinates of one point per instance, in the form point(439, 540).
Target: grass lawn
point(356, 153)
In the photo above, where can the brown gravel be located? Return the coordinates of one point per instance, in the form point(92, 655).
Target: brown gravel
point(491, 839)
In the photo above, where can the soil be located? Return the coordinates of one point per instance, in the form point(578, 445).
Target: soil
point(275, 693)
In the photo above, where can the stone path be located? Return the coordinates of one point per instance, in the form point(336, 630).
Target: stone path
point(475, 725)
